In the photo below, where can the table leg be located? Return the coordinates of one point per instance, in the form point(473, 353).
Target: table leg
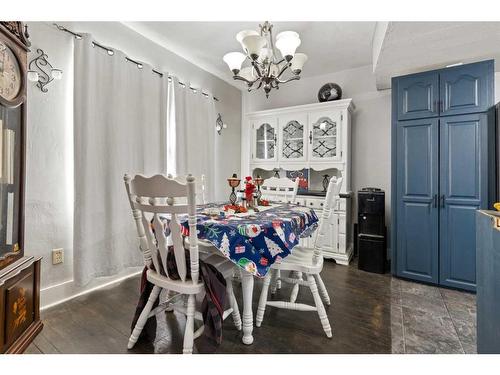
point(247, 288)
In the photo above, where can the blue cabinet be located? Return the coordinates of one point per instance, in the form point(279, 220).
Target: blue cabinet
point(418, 96)
point(466, 89)
point(463, 144)
point(443, 161)
point(417, 189)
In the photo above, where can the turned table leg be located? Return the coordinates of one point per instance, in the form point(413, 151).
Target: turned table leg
point(247, 287)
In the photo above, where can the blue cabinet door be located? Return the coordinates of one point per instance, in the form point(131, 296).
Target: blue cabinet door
point(463, 187)
point(467, 88)
point(417, 190)
point(418, 96)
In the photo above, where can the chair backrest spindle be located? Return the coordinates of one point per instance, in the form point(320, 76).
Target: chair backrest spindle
point(332, 196)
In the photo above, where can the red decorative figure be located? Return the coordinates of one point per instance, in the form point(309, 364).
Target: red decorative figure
point(249, 190)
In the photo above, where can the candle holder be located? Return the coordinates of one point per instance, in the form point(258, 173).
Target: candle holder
point(258, 182)
point(233, 182)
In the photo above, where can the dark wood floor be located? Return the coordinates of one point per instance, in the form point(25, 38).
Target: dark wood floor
point(360, 316)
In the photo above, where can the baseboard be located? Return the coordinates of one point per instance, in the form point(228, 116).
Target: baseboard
point(56, 294)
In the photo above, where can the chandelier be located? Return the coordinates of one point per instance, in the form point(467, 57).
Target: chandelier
point(266, 67)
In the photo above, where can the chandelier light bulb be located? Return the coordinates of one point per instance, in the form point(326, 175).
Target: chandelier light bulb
point(287, 45)
point(287, 34)
point(242, 34)
point(253, 45)
point(298, 61)
point(234, 60)
point(247, 73)
point(265, 53)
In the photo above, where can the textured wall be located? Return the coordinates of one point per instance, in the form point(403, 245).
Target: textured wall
point(49, 191)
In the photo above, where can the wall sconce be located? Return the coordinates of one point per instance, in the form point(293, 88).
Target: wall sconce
point(42, 72)
point(219, 124)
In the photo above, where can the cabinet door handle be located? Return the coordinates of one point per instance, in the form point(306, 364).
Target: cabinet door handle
point(435, 199)
point(442, 201)
point(310, 137)
point(434, 106)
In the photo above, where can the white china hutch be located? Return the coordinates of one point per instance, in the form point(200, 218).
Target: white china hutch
point(311, 141)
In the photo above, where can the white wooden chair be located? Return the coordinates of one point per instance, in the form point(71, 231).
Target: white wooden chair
point(305, 261)
point(149, 198)
point(280, 189)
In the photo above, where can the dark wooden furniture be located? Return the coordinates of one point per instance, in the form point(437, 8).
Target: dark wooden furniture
point(19, 274)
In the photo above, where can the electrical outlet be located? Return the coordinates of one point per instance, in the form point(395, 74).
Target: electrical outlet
point(57, 256)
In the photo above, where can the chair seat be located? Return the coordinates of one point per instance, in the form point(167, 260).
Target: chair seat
point(301, 260)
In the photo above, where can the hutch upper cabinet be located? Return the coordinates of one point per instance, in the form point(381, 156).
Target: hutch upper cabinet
point(443, 149)
point(324, 136)
point(292, 137)
point(313, 137)
point(311, 133)
point(265, 138)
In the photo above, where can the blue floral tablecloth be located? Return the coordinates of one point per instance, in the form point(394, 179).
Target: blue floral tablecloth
point(256, 241)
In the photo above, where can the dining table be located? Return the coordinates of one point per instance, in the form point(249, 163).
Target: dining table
point(253, 240)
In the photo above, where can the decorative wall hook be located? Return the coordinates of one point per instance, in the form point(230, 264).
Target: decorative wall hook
point(42, 72)
point(219, 124)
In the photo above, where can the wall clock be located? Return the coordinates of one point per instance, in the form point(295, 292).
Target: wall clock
point(10, 74)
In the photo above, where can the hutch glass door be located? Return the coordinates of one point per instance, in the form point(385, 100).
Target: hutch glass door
point(265, 138)
point(324, 136)
point(292, 137)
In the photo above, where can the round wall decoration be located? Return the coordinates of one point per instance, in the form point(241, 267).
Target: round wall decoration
point(329, 91)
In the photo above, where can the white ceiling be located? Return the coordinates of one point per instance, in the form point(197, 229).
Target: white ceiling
point(409, 47)
point(331, 46)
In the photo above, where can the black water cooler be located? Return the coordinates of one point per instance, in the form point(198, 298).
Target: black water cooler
point(371, 234)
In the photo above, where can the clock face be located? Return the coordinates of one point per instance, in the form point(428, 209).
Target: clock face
point(10, 74)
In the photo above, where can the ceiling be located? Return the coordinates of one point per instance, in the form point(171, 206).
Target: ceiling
point(392, 48)
point(409, 47)
point(331, 46)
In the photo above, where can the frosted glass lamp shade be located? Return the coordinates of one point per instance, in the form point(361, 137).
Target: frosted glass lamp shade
point(287, 34)
point(265, 53)
point(234, 61)
point(253, 45)
point(32, 76)
point(248, 73)
point(298, 61)
point(56, 74)
point(242, 34)
point(287, 45)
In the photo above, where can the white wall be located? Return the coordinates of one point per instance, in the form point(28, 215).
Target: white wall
point(49, 190)
point(371, 129)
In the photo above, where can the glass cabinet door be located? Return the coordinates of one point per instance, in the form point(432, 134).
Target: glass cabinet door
point(324, 136)
point(292, 137)
point(265, 138)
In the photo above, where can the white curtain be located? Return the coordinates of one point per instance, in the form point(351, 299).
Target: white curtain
point(120, 116)
point(191, 135)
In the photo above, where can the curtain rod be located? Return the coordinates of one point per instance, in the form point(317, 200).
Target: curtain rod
point(111, 52)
